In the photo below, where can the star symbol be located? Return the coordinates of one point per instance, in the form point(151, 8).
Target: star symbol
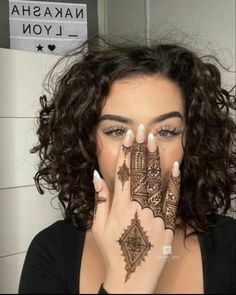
point(40, 47)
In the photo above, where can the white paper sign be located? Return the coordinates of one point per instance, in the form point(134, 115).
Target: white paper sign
point(47, 27)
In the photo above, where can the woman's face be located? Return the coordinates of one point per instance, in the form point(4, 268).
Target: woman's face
point(135, 101)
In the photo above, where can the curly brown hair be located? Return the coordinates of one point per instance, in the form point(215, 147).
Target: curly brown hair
point(67, 126)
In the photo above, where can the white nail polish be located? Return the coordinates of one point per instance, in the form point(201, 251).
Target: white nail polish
point(175, 170)
point(128, 138)
point(151, 142)
point(97, 181)
point(140, 137)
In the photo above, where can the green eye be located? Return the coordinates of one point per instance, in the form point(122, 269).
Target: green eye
point(118, 132)
point(166, 132)
point(115, 131)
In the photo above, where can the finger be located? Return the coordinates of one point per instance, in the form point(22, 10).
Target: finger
point(102, 201)
point(170, 204)
point(122, 176)
point(154, 187)
point(139, 168)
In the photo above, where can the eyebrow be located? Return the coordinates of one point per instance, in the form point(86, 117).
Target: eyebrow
point(129, 121)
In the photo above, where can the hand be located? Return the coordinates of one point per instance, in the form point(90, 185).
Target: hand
point(131, 237)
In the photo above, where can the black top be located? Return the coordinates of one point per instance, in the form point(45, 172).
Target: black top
point(52, 263)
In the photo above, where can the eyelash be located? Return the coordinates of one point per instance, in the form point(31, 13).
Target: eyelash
point(108, 131)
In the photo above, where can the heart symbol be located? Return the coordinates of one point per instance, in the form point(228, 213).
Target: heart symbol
point(51, 47)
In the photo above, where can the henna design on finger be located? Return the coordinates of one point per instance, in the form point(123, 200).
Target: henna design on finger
point(98, 200)
point(126, 149)
point(146, 178)
point(154, 187)
point(170, 205)
point(139, 174)
point(134, 245)
point(123, 174)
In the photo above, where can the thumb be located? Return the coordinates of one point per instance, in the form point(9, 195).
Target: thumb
point(102, 202)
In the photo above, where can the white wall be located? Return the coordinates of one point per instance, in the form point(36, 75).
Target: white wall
point(209, 25)
point(23, 211)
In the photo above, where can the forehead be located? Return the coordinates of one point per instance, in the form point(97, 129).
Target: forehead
point(146, 94)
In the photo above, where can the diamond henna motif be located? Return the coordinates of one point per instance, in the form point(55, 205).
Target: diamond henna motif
point(123, 174)
point(134, 245)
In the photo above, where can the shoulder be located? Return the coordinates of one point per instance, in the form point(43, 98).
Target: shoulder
point(59, 237)
point(219, 255)
point(222, 236)
point(51, 260)
point(57, 230)
point(225, 219)
point(225, 225)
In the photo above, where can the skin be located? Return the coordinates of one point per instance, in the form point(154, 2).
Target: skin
point(141, 99)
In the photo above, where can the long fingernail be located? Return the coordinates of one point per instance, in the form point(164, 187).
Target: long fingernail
point(175, 170)
point(151, 143)
point(140, 133)
point(128, 138)
point(97, 181)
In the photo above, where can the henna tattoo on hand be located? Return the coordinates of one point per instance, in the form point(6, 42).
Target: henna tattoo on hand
point(171, 201)
point(146, 178)
point(146, 185)
point(139, 174)
point(126, 149)
point(134, 245)
point(123, 173)
point(154, 188)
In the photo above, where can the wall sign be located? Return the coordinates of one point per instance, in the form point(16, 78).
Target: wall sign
point(47, 27)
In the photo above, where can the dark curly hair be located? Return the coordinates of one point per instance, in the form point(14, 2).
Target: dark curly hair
point(67, 126)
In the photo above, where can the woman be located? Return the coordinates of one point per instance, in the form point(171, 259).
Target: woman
point(138, 142)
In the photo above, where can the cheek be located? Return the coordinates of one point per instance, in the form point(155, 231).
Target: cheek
point(107, 157)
